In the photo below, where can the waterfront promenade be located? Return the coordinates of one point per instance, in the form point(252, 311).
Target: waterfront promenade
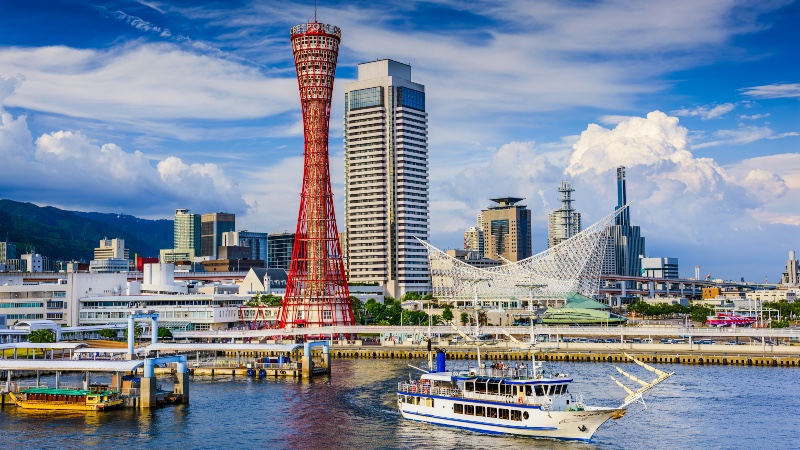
point(552, 332)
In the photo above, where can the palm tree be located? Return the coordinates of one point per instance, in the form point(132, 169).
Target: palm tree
point(42, 336)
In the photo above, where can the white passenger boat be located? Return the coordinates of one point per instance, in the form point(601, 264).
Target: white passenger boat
point(510, 400)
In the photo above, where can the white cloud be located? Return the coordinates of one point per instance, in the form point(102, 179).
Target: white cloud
point(677, 194)
point(783, 135)
point(754, 116)
point(69, 169)
point(706, 112)
point(680, 201)
point(143, 83)
point(777, 90)
point(741, 135)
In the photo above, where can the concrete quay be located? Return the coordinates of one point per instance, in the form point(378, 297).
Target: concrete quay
point(740, 355)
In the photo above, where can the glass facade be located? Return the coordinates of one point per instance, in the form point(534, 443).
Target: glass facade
point(365, 98)
point(410, 98)
point(187, 230)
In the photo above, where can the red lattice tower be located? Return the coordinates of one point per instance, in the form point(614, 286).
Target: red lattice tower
point(316, 292)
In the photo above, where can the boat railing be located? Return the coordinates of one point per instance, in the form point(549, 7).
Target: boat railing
point(17, 386)
point(419, 388)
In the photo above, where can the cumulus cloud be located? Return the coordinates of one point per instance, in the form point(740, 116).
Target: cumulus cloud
point(681, 202)
point(668, 182)
point(706, 112)
point(69, 169)
point(777, 90)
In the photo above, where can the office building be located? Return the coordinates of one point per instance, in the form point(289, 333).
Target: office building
point(279, 250)
point(256, 242)
point(565, 222)
point(473, 240)
point(507, 230)
point(660, 267)
point(627, 240)
point(32, 262)
point(473, 258)
point(386, 178)
point(111, 248)
point(109, 265)
point(187, 231)
point(7, 251)
point(212, 226)
point(55, 300)
point(792, 274)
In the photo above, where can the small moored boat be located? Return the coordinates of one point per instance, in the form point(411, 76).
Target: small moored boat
point(97, 398)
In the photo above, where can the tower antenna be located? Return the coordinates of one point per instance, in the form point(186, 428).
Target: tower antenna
point(315, 10)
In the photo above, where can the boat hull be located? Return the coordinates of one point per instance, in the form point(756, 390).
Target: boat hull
point(63, 406)
point(566, 425)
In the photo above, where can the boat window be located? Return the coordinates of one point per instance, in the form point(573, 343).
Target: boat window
point(503, 414)
point(491, 412)
point(538, 389)
point(525, 415)
point(516, 414)
point(480, 386)
point(528, 390)
point(469, 409)
point(409, 399)
point(480, 411)
point(469, 386)
point(493, 388)
point(429, 402)
point(458, 408)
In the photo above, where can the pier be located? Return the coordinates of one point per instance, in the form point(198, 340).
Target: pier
point(143, 392)
point(254, 360)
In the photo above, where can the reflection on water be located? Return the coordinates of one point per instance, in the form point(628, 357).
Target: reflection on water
point(354, 408)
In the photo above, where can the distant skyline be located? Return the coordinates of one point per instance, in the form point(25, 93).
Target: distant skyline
point(142, 107)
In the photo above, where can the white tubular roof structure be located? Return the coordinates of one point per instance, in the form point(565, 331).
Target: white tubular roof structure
point(572, 266)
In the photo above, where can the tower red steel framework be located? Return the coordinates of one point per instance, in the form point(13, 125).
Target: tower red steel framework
point(316, 291)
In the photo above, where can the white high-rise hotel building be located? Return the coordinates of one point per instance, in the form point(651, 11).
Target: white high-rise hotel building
point(386, 178)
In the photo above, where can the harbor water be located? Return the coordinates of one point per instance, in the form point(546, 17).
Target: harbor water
point(709, 407)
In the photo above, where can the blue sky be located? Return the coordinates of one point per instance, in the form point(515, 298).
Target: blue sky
point(142, 107)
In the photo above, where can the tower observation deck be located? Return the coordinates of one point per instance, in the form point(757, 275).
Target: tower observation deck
point(316, 291)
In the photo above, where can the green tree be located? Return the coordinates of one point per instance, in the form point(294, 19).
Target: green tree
point(699, 313)
point(464, 318)
point(108, 333)
point(447, 314)
point(358, 310)
point(164, 333)
point(137, 332)
point(42, 336)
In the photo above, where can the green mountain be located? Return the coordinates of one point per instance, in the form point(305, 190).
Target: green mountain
point(71, 235)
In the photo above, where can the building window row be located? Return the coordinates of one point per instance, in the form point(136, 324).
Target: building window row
point(405, 137)
point(22, 305)
point(365, 98)
point(411, 98)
